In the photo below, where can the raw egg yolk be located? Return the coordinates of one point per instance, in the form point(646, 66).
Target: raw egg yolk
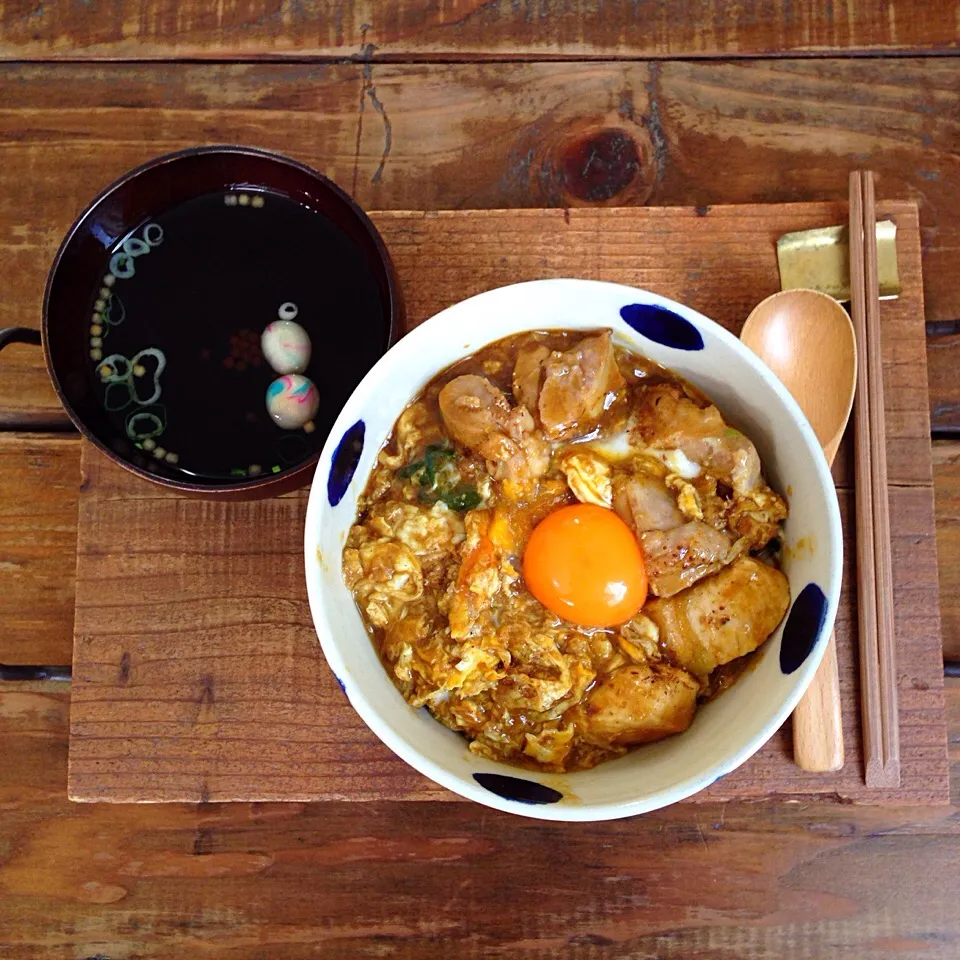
point(584, 563)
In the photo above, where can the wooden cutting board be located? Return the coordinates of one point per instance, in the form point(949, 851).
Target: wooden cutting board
point(197, 672)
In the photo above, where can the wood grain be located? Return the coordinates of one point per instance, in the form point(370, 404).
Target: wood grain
point(487, 135)
point(39, 486)
point(27, 398)
point(943, 361)
point(472, 28)
point(187, 655)
point(818, 718)
point(45, 586)
point(287, 881)
point(719, 881)
point(946, 472)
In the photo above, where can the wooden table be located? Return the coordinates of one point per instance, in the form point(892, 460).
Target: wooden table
point(463, 103)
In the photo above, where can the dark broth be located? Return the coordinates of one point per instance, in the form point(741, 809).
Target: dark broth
point(208, 276)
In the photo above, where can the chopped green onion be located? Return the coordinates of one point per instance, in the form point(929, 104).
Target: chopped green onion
point(439, 478)
point(462, 498)
point(410, 469)
point(427, 467)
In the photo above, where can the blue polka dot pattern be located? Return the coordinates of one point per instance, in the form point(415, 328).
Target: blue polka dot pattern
point(803, 626)
point(662, 326)
point(340, 683)
point(515, 788)
point(344, 462)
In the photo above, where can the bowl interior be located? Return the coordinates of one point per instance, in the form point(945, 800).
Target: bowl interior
point(357, 321)
point(725, 731)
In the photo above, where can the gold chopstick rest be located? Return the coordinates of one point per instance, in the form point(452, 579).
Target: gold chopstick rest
point(820, 260)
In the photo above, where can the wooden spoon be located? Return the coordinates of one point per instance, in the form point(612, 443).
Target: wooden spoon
point(806, 338)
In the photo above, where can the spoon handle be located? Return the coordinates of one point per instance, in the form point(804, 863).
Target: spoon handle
point(817, 720)
point(817, 723)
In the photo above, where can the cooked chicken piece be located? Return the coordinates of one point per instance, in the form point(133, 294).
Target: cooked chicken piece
point(645, 503)
point(640, 703)
point(479, 416)
point(723, 617)
point(589, 478)
point(668, 419)
point(527, 374)
point(676, 553)
point(676, 559)
point(579, 385)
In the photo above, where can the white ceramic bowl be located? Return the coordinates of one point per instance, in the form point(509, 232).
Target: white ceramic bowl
point(726, 731)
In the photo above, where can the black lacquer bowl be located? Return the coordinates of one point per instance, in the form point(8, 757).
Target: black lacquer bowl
point(203, 296)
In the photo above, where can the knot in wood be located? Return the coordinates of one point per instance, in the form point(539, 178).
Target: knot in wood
point(599, 165)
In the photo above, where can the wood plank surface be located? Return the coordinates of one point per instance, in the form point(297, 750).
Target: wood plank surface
point(38, 592)
point(943, 364)
point(188, 659)
point(27, 398)
point(39, 486)
point(719, 881)
point(946, 471)
point(472, 28)
point(487, 135)
point(714, 881)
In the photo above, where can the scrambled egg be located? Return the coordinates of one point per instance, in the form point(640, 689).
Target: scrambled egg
point(589, 478)
point(384, 576)
point(688, 500)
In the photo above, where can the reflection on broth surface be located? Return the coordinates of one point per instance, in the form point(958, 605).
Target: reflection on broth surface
point(651, 570)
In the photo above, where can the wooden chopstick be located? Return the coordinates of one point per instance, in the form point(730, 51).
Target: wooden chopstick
point(866, 581)
point(878, 681)
point(889, 775)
